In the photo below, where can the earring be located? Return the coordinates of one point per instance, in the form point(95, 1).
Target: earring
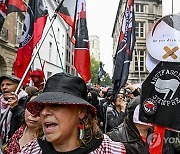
point(81, 129)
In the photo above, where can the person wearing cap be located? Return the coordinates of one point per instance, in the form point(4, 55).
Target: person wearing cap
point(68, 120)
point(132, 132)
point(16, 102)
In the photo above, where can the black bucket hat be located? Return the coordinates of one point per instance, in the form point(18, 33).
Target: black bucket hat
point(61, 88)
point(10, 77)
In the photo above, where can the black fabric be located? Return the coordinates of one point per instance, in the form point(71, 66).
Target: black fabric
point(160, 96)
point(66, 83)
point(114, 118)
point(48, 148)
point(136, 92)
point(128, 134)
point(131, 106)
point(62, 88)
point(17, 118)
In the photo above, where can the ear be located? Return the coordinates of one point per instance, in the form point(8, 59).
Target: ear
point(82, 112)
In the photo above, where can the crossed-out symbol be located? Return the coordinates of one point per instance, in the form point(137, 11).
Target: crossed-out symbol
point(170, 52)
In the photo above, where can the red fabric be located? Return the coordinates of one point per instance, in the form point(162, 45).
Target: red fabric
point(82, 63)
point(143, 138)
point(81, 53)
point(107, 147)
point(3, 6)
point(38, 73)
point(157, 141)
point(13, 144)
point(25, 51)
point(16, 6)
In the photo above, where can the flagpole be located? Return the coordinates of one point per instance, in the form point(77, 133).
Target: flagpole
point(172, 6)
point(28, 67)
point(57, 48)
point(138, 59)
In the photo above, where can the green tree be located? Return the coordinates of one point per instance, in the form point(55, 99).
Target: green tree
point(105, 80)
point(94, 70)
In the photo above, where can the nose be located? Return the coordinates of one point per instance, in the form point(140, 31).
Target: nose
point(46, 111)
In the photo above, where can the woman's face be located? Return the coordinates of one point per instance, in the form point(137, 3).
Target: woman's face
point(120, 99)
point(60, 122)
point(31, 120)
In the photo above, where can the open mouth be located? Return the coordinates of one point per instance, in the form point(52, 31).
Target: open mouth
point(50, 124)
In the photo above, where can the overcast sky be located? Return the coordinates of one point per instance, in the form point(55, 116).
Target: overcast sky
point(100, 21)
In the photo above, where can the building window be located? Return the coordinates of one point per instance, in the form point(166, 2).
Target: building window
point(67, 69)
point(50, 50)
point(139, 8)
point(72, 60)
point(140, 29)
point(63, 41)
point(19, 27)
point(140, 60)
point(58, 35)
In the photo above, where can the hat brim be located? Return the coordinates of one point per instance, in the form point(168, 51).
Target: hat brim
point(55, 98)
point(12, 78)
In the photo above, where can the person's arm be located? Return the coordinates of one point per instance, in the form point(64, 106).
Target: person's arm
point(133, 89)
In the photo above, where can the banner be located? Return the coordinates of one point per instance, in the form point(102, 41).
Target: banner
point(160, 99)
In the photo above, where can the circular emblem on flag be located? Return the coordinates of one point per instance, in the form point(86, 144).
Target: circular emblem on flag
point(27, 31)
point(149, 106)
point(163, 39)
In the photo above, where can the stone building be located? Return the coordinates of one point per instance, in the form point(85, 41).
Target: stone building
point(146, 13)
point(58, 53)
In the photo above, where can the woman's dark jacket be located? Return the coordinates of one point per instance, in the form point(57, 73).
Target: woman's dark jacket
point(17, 118)
point(114, 118)
point(128, 134)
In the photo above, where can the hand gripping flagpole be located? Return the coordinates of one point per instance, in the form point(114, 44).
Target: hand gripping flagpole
point(32, 60)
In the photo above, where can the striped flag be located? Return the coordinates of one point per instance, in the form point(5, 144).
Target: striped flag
point(81, 52)
point(16, 6)
point(8, 6)
point(34, 24)
point(67, 9)
point(125, 48)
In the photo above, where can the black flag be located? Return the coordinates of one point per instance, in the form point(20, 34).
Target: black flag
point(101, 72)
point(160, 99)
point(125, 48)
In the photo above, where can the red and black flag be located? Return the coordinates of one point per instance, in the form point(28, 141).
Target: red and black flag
point(3, 11)
point(68, 11)
point(16, 6)
point(8, 6)
point(34, 24)
point(125, 48)
point(81, 52)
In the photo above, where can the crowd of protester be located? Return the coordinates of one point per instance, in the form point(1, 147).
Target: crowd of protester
point(66, 115)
